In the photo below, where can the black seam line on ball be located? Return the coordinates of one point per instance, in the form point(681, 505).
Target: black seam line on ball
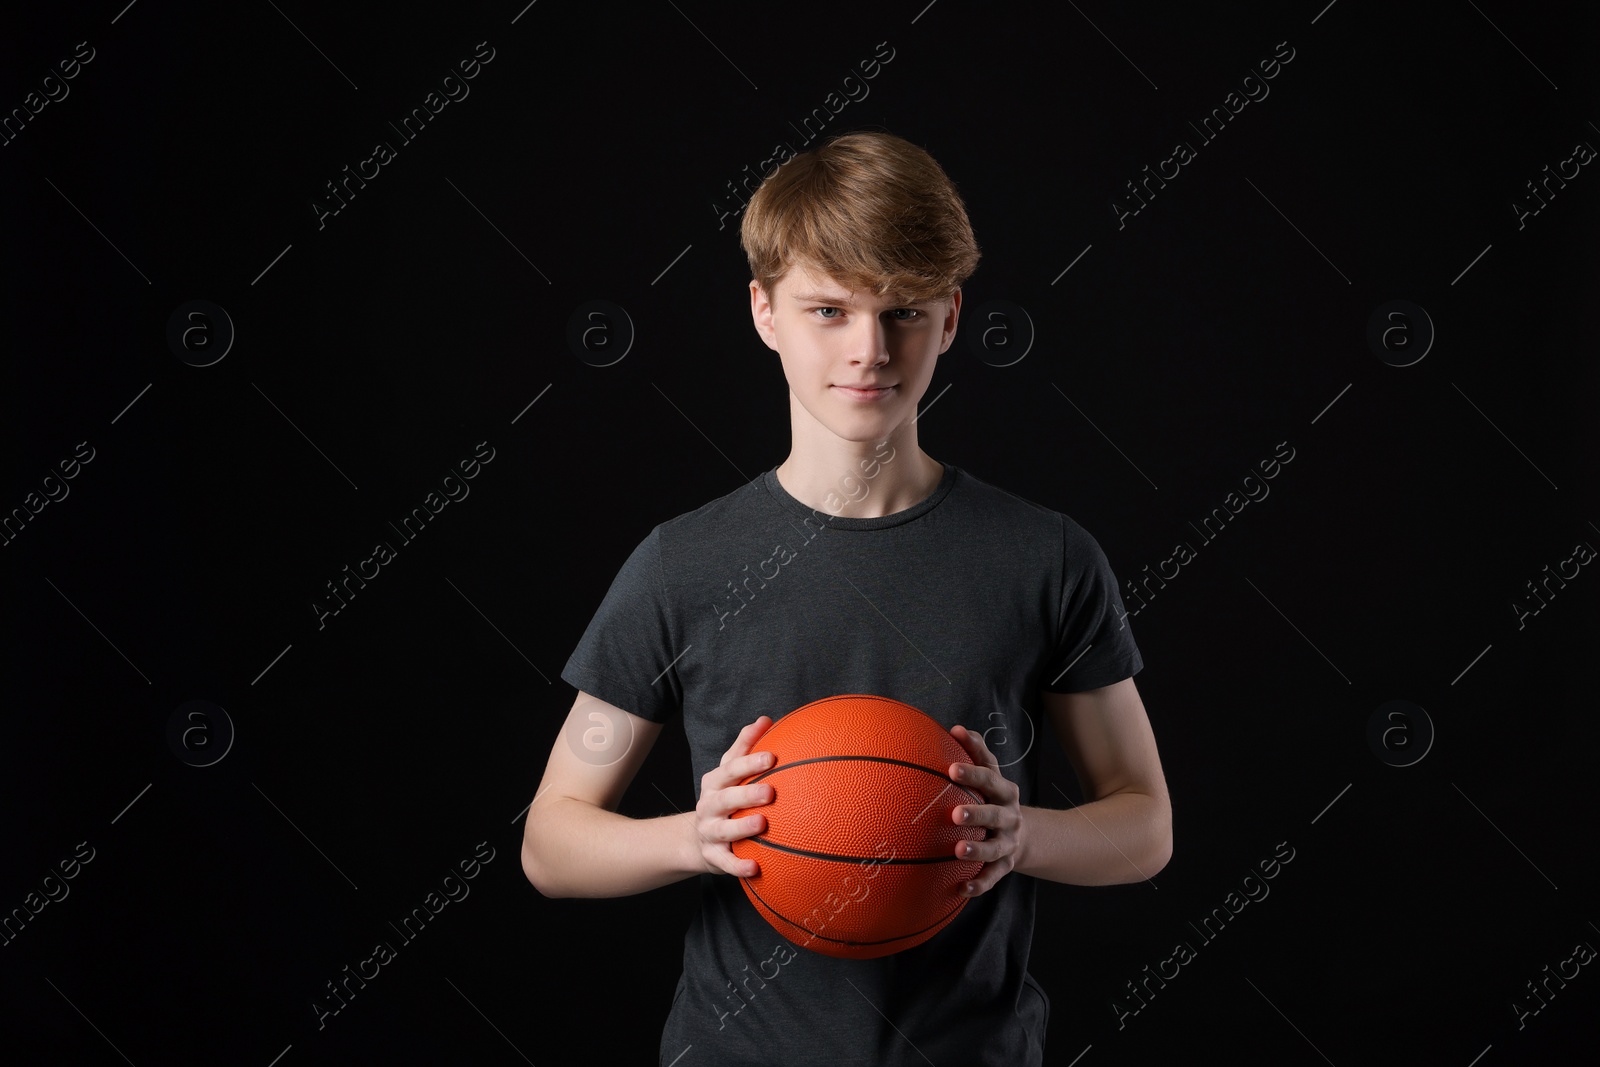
point(842, 941)
point(761, 840)
point(873, 759)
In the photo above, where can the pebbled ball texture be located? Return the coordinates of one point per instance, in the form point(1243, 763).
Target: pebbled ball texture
point(858, 856)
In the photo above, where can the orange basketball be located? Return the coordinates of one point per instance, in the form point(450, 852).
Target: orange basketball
point(858, 856)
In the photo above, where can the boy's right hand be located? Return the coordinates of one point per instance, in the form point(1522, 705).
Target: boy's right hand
point(720, 795)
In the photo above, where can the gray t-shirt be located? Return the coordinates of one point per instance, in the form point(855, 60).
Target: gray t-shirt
point(965, 606)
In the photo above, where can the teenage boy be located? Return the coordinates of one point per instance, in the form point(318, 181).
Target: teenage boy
point(858, 565)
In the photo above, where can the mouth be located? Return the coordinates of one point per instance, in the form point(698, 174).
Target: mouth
point(873, 393)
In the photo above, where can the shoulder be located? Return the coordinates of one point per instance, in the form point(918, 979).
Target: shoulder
point(1020, 515)
point(674, 537)
point(698, 545)
point(712, 516)
point(1004, 505)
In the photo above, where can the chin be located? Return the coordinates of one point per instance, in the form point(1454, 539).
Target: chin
point(868, 431)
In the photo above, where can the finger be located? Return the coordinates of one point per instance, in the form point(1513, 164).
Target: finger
point(974, 744)
point(743, 796)
point(986, 851)
point(976, 814)
point(725, 830)
point(989, 874)
point(736, 770)
point(731, 864)
point(746, 739)
point(986, 780)
point(752, 732)
point(986, 878)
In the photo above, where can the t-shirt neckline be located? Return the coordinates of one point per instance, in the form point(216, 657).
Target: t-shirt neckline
point(794, 507)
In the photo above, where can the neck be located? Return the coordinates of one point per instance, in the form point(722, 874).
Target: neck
point(859, 479)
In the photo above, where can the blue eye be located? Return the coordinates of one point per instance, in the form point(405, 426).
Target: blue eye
point(912, 314)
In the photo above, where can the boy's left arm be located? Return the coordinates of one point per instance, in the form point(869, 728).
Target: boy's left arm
point(1123, 831)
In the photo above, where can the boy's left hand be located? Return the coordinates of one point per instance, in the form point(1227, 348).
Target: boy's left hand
point(1001, 816)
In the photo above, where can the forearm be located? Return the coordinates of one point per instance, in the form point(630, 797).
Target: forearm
point(574, 849)
point(1125, 837)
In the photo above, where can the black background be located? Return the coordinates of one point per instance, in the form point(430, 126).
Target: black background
point(372, 354)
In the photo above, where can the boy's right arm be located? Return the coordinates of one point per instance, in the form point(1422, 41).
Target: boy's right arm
point(574, 844)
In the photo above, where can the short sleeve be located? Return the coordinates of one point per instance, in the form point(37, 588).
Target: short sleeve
point(626, 653)
point(1094, 644)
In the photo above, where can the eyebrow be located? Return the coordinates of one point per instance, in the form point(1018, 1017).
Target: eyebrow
point(834, 298)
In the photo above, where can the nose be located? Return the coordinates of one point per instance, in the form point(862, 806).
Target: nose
point(871, 345)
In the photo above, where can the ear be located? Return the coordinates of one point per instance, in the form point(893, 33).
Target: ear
point(761, 315)
point(951, 316)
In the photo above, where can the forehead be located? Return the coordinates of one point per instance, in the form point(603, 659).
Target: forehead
point(803, 285)
point(803, 282)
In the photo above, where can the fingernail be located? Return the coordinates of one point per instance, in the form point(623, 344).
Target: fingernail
point(970, 850)
point(972, 887)
point(966, 814)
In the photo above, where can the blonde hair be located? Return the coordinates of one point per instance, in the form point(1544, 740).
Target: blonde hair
point(870, 210)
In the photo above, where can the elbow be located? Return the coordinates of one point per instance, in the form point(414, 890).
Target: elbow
point(538, 874)
point(1161, 836)
point(1161, 852)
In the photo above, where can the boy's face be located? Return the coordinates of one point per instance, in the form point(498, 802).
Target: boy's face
point(830, 340)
